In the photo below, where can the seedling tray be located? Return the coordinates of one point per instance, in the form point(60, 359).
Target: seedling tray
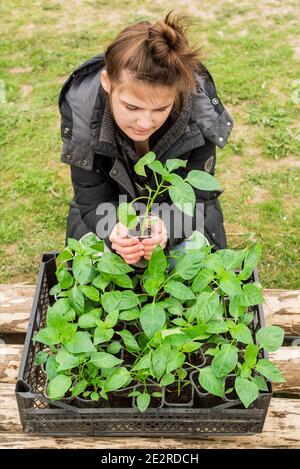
point(40, 415)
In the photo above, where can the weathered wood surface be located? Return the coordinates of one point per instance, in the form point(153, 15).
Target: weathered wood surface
point(10, 356)
point(281, 430)
point(286, 358)
point(281, 308)
point(15, 307)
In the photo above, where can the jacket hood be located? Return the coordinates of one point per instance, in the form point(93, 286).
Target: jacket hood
point(88, 126)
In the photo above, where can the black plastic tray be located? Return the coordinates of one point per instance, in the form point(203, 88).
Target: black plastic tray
point(39, 414)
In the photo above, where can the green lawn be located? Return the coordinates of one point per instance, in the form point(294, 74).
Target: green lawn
point(251, 50)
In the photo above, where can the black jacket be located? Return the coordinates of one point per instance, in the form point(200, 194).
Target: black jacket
point(94, 147)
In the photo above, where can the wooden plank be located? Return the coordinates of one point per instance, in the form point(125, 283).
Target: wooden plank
point(282, 308)
point(15, 307)
point(281, 430)
point(10, 356)
point(286, 358)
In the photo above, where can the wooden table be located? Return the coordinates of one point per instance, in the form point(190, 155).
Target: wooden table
point(282, 426)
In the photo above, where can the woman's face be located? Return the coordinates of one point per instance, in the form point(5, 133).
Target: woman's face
point(138, 108)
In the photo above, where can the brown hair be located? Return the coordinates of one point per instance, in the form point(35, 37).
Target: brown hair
point(158, 53)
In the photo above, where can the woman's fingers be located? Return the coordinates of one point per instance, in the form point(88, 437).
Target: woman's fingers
point(136, 249)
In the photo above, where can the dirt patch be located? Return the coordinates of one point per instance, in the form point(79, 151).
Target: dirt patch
point(18, 70)
point(26, 90)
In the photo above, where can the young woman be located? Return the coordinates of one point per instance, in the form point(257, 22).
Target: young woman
point(149, 91)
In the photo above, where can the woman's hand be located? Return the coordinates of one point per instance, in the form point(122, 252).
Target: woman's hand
point(131, 249)
point(160, 237)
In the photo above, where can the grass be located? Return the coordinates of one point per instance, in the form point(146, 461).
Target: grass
point(252, 58)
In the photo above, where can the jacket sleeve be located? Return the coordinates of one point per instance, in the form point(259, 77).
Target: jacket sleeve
point(202, 158)
point(97, 200)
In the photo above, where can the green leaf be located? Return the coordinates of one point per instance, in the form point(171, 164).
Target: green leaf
point(90, 292)
point(129, 341)
point(270, 337)
point(91, 243)
point(118, 378)
point(174, 178)
point(236, 309)
point(111, 263)
point(230, 284)
point(80, 387)
point(207, 305)
point(68, 332)
point(75, 245)
point(210, 382)
point(66, 360)
point(154, 275)
point(112, 318)
point(40, 358)
point(139, 167)
point(114, 347)
point(143, 401)
point(188, 266)
point(246, 390)
point(167, 379)
point(202, 180)
point(152, 318)
point(70, 315)
point(143, 363)
point(55, 290)
point(175, 337)
point(179, 322)
point(175, 163)
point(58, 386)
point(179, 290)
point(64, 256)
point(76, 299)
point(64, 278)
point(100, 283)
point(104, 360)
point(102, 334)
point(159, 359)
point(82, 269)
point(175, 360)
point(130, 314)
point(127, 215)
point(231, 259)
point(55, 318)
point(224, 361)
point(217, 327)
point(260, 383)
point(191, 346)
point(123, 281)
point(157, 167)
point(241, 333)
point(198, 332)
point(48, 336)
point(252, 295)
point(111, 300)
point(202, 279)
point(183, 197)
point(172, 305)
point(214, 262)
point(51, 367)
point(253, 257)
point(90, 319)
point(251, 353)
point(269, 371)
point(81, 342)
point(129, 299)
